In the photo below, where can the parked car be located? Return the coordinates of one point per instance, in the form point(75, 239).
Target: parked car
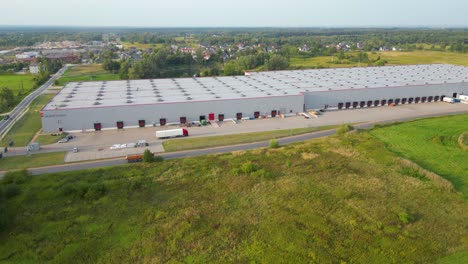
point(63, 140)
point(71, 137)
point(6, 117)
point(75, 150)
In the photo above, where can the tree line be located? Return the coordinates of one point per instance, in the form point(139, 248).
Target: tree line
point(163, 63)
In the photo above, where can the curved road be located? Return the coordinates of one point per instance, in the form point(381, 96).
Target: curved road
point(5, 125)
point(217, 150)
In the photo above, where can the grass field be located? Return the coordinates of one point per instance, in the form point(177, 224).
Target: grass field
point(393, 58)
point(89, 72)
point(325, 61)
point(46, 139)
point(141, 46)
point(25, 129)
point(216, 141)
point(335, 200)
point(18, 83)
point(36, 160)
point(425, 57)
point(432, 143)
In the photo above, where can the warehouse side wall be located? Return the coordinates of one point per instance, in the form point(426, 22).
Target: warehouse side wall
point(331, 99)
point(85, 118)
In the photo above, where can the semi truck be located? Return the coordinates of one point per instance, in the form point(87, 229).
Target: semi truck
point(180, 132)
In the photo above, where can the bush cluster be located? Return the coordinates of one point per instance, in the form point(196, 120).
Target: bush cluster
point(84, 190)
point(344, 129)
point(274, 143)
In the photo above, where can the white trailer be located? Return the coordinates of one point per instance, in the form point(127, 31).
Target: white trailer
point(180, 132)
point(463, 97)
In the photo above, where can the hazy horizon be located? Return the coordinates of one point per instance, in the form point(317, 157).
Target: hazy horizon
point(241, 14)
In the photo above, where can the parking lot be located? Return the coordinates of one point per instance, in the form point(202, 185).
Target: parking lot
point(96, 145)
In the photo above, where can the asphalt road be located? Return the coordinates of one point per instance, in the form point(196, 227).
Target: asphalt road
point(217, 150)
point(4, 124)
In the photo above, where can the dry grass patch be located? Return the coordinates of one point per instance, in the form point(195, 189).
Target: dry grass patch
point(463, 141)
point(412, 169)
point(309, 156)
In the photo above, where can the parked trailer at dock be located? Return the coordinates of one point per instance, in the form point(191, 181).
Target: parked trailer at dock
point(180, 132)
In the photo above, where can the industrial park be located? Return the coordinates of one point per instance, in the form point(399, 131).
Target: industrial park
point(246, 132)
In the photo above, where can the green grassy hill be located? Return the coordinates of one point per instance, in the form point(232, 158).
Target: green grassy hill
point(339, 199)
point(434, 144)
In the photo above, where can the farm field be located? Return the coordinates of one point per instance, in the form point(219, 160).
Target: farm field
point(339, 199)
point(25, 129)
point(393, 58)
point(433, 144)
point(89, 72)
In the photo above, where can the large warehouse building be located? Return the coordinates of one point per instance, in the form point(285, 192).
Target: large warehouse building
point(118, 104)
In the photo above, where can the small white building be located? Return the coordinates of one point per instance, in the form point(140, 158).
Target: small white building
point(34, 68)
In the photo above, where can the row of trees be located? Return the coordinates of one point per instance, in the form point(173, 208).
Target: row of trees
point(12, 67)
point(163, 63)
point(47, 68)
point(373, 38)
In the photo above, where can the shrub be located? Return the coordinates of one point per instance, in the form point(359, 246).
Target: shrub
point(12, 190)
point(248, 167)
point(148, 156)
point(274, 143)
point(77, 190)
point(344, 129)
point(405, 218)
point(96, 191)
point(16, 177)
point(262, 173)
point(3, 217)
point(158, 158)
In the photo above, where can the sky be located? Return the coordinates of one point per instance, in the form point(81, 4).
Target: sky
point(237, 13)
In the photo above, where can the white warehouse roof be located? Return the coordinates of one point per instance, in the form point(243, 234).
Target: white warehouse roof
point(257, 84)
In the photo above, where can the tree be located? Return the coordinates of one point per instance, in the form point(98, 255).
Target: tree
point(136, 71)
point(124, 69)
point(7, 98)
point(148, 156)
point(231, 68)
point(277, 62)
